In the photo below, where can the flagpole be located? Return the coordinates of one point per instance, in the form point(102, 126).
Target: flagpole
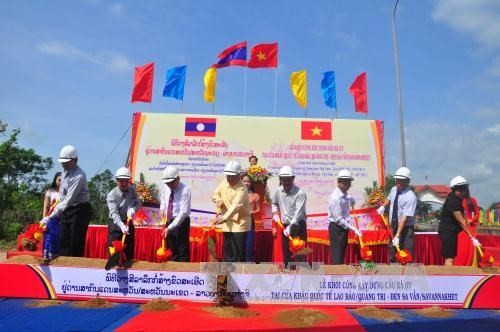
point(213, 107)
point(182, 106)
point(275, 89)
point(150, 107)
point(245, 94)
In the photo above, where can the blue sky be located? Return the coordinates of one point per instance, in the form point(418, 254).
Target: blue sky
point(67, 72)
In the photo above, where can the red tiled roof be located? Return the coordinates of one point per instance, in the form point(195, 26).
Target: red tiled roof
point(440, 190)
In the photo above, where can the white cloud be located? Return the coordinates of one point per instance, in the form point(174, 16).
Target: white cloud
point(488, 112)
point(348, 38)
point(59, 49)
point(479, 19)
point(494, 68)
point(495, 130)
point(117, 9)
point(111, 61)
point(444, 150)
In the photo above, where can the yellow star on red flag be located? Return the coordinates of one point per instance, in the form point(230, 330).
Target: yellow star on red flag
point(316, 131)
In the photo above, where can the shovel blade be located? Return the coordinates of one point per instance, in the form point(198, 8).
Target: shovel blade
point(305, 251)
point(113, 260)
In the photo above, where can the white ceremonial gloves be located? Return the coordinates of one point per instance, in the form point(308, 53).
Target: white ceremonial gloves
point(395, 241)
point(276, 217)
point(355, 230)
point(44, 221)
point(475, 242)
point(381, 210)
point(124, 229)
point(130, 213)
point(286, 231)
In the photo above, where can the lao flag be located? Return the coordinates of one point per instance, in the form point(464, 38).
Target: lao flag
point(316, 130)
point(200, 127)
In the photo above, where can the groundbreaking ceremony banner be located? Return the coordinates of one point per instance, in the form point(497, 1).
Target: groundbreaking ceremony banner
point(200, 145)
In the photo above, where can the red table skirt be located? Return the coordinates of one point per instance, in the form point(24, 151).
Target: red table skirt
point(268, 249)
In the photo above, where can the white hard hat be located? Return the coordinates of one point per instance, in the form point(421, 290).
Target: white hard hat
point(345, 174)
point(67, 153)
point(286, 171)
point(170, 173)
point(233, 167)
point(122, 173)
point(403, 173)
point(458, 181)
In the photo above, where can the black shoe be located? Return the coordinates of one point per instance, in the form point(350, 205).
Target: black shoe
point(127, 264)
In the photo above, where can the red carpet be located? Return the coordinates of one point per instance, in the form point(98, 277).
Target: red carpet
point(190, 316)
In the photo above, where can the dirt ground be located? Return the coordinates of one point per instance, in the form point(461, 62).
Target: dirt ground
point(195, 267)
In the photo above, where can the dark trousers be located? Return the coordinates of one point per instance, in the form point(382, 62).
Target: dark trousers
point(234, 246)
point(250, 242)
point(115, 234)
point(338, 243)
point(406, 241)
point(178, 240)
point(73, 230)
point(297, 230)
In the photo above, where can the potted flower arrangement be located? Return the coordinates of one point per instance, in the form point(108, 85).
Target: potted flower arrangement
point(258, 174)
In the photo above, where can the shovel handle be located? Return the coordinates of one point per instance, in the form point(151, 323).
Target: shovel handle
point(125, 235)
point(361, 244)
point(283, 227)
point(390, 230)
point(480, 251)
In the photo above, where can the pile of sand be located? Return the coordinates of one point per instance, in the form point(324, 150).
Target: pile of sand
point(43, 303)
point(380, 314)
point(435, 312)
point(100, 263)
point(231, 312)
point(157, 305)
point(299, 318)
point(95, 303)
point(381, 269)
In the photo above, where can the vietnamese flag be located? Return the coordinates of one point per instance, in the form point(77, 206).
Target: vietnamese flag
point(143, 83)
point(263, 56)
point(316, 130)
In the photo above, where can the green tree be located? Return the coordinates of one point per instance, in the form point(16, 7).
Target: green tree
point(22, 180)
point(99, 187)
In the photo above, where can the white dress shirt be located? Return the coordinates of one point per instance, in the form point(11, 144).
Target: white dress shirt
point(292, 204)
point(407, 204)
point(339, 205)
point(181, 204)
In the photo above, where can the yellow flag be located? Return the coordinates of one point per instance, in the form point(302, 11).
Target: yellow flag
point(298, 84)
point(209, 80)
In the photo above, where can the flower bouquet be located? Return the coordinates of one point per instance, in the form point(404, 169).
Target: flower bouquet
point(376, 196)
point(258, 174)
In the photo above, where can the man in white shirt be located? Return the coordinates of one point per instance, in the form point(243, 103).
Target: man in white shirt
point(403, 203)
point(175, 208)
point(339, 204)
point(74, 205)
point(122, 203)
point(289, 206)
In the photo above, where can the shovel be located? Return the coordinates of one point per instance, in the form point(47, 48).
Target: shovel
point(303, 251)
point(116, 251)
point(365, 251)
point(403, 256)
